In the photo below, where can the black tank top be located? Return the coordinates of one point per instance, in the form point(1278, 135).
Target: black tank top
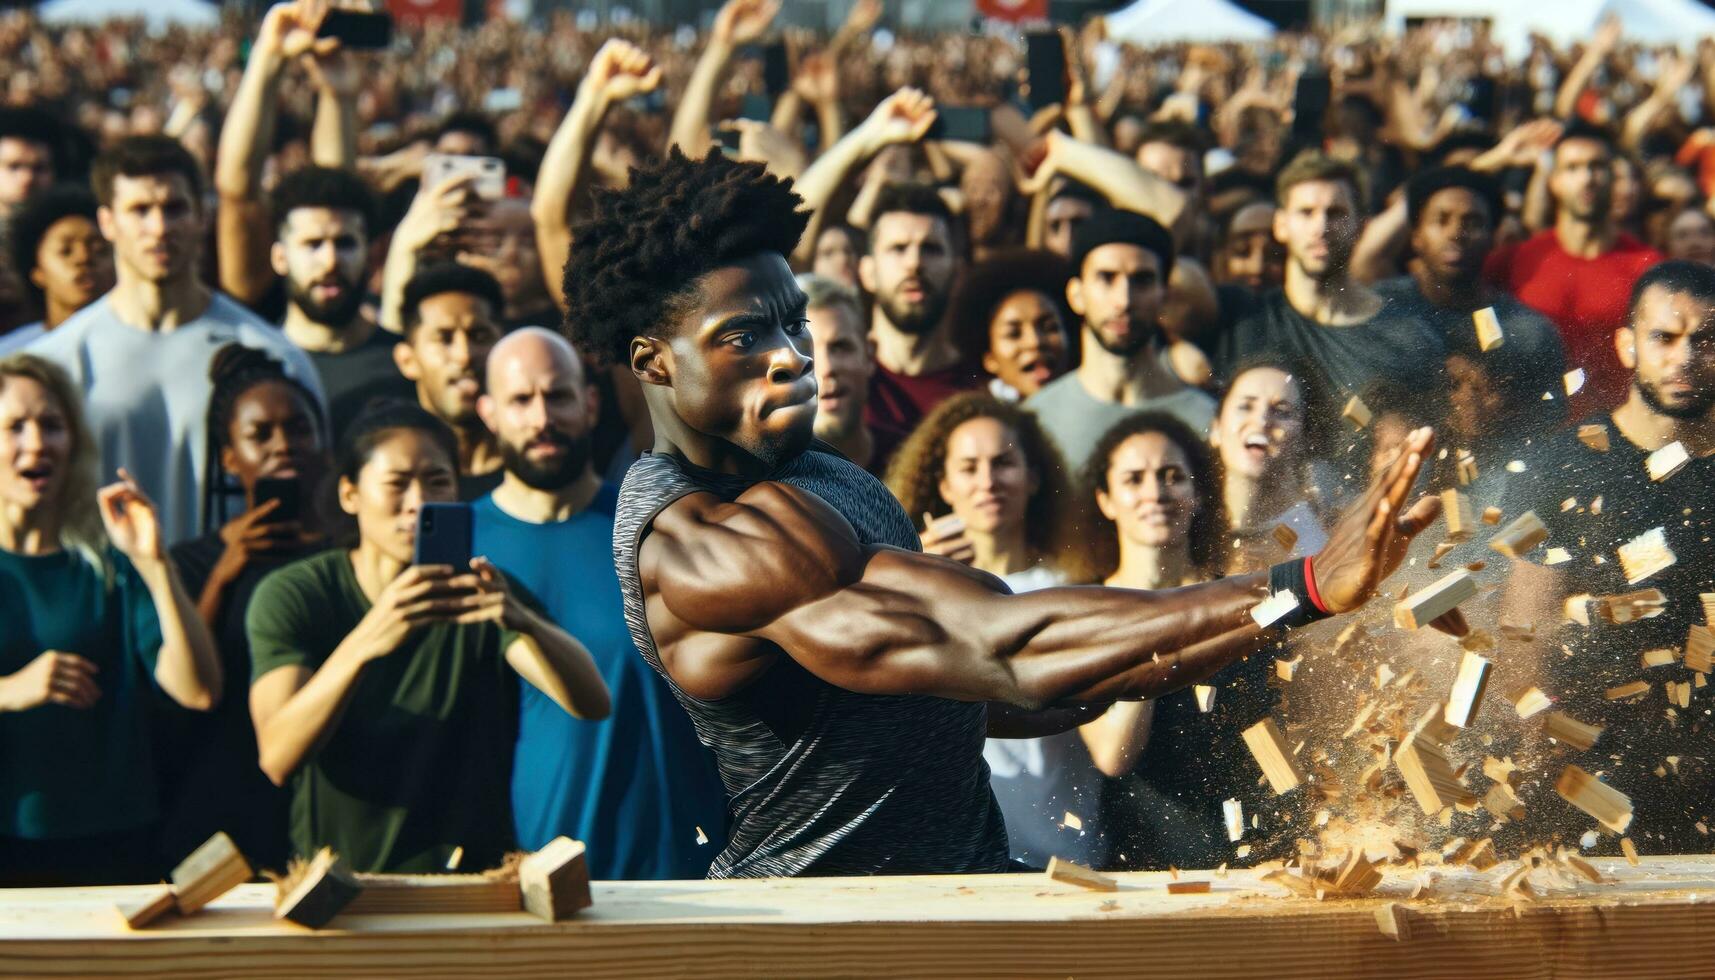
point(821, 780)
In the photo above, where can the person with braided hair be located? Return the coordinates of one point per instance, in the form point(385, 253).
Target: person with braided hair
point(843, 678)
point(265, 432)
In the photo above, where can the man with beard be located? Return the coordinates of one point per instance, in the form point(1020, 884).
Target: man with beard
point(909, 272)
point(141, 354)
point(634, 785)
point(321, 252)
point(1580, 272)
point(1339, 329)
point(1121, 263)
point(1669, 348)
point(841, 677)
point(1452, 214)
point(450, 313)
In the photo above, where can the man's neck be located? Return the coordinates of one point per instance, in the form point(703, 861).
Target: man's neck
point(1334, 300)
point(526, 503)
point(908, 353)
point(158, 307)
point(1650, 430)
point(1461, 295)
point(1148, 567)
point(1120, 380)
point(1584, 239)
point(478, 455)
point(858, 445)
point(324, 338)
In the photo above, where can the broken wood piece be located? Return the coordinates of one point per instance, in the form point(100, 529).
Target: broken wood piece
point(1357, 876)
point(1517, 539)
point(1467, 693)
point(1268, 747)
point(1579, 608)
point(1285, 537)
point(1646, 555)
point(1594, 436)
point(1583, 867)
point(1270, 611)
point(1666, 461)
point(1456, 511)
point(323, 891)
point(146, 908)
point(211, 871)
point(1500, 770)
point(1466, 469)
point(1556, 556)
point(1519, 632)
point(1679, 692)
point(1492, 515)
point(1610, 807)
point(1187, 887)
point(1503, 802)
point(1488, 325)
point(1356, 412)
point(1477, 641)
point(1658, 658)
point(1481, 855)
point(1627, 690)
point(413, 894)
point(1072, 820)
point(1205, 695)
point(1707, 601)
point(1567, 730)
point(1629, 607)
point(1531, 701)
point(555, 881)
point(1441, 550)
point(1573, 381)
point(1435, 600)
point(1234, 813)
point(1428, 775)
point(1284, 669)
point(1699, 648)
point(1630, 851)
point(1072, 873)
point(1391, 920)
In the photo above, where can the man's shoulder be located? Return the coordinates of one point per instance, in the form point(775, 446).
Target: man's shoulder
point(75, 329)
point(1061, 394)
point(1400, 290)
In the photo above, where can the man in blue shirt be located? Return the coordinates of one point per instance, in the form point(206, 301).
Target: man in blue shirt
point(637, 788)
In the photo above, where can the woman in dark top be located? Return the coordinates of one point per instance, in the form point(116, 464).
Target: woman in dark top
point(92, 616)
point(265, 434)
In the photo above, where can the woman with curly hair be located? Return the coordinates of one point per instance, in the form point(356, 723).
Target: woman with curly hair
point(1007, 315)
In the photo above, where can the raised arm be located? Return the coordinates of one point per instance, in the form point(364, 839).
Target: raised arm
point(333, 134)
point(1602, 44)
point(617, 72)
point(434, 212)
point(780, 566)
point(1118, 177)
point(903, 117)
point(739, 22)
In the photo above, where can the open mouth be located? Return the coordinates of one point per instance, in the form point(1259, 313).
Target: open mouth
point(37, 477)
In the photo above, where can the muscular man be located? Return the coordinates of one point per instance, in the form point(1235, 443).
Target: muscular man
point(841, 677)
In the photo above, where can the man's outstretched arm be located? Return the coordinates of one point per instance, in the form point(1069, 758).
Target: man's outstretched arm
point(781, 566)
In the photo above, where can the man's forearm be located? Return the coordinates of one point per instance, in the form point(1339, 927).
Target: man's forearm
point(1119, 178)
point(187, 668)
point(690, 129)
point(248, 130)
point(565, 166)
point(821, 180)
point(286, 737)
point(559, 666)
point(333, 134)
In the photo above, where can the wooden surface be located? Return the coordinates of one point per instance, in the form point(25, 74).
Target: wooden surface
point(1656, 920)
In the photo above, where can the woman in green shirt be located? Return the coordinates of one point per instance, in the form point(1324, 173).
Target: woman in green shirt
point(93, 612)
point(385, 692)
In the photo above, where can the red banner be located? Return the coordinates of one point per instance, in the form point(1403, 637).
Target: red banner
point(418, 11)
point(1012, 10)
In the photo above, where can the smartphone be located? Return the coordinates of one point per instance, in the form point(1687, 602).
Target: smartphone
point(444, 536)
point(729, 141)
point(776, 74)
point(964, 123)
point(1483, 98)
point(489, 173)
point(757, 107)
point(288, 492)
point(1045, 62)
point(503, 100)
point(358, 30)
point(1310, 103)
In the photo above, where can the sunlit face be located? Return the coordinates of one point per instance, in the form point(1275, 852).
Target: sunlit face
point(155, 225)
point(322, 254)
point(273, 435)
point(844, 366)
point(1670, 347)
point(540, 410)
point(406, 469)
point(1582, 181)
point(1691, 236)
point(1319, 226)
point(26, 167)
point(1150, 494)
point(1453, 235)
point(1250, 256)
point(502, 242)
point(1119, 292)
point(909, 269)
point(1027, 342)
point(74, 264)
point(1475, 404)
point(1260, 429)
point(35, 444)
point(446, 352)
point(835, 257)
point(987, 480)
point(1063, 216)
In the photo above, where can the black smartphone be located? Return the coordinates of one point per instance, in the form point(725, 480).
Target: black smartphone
point(729, 141)
point(444, 536)
point(358, 30)
point(1045, 61)
point(1310, 103)
point(1482, 98)
point(964, 123)
point(288, 492)
point(776, 73)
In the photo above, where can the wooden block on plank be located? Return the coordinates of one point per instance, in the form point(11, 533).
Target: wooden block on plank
point(211, 871)
point(1268, 747)
point(1456, 511)
point(1699, 648)
point(1630, 850)
point(1234, 813)
point(1393, 922)
point(1628, 690)
point(1594, 436)
point(1610, 807)
point(1488, 325)
point(146, 908)
point(1467, 693)
point(1567, 730)
point(1435, 600)
point(555, 881)
point(1187, 888)
point(1428, 775)
point(1531, 701)
point(1666, 461)
point(1072, 873)
point(1205, 695)
point(1356, 412)
point(1583, 867)
point(1357, 876)
point(326, 888)
point(400, 894)
point(1524, 533)
point(1646, 555)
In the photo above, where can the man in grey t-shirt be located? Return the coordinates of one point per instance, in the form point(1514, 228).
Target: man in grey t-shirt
point(141, 353)
point(1121, 262)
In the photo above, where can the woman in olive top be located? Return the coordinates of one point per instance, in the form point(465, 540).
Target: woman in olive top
point(91, 611)
point(384, 691)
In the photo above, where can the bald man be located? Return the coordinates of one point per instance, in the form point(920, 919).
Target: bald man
point(636, 787)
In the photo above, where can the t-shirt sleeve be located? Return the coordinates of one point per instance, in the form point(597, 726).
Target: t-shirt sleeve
point(141, 624)
point(278, 622)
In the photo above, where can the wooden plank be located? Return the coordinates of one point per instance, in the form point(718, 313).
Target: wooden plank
point(385, 894)
point(1630, 689)
point(142, 910)
point(1188, 887)
point(1525, 532)
point(1456, 511)
point(210, 872)
point(1467, 693)
point(1568, 730)
point(1435, 600)
point(1268, 747)
point(555, 880)
point(1611, 808)
point(1072, 873)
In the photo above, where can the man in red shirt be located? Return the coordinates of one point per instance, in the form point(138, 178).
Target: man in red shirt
point(1580, 272)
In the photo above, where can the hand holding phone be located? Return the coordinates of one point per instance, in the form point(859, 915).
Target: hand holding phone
point(358, 30)
point(1045, 63)
point(444, 536)
point(945, 536)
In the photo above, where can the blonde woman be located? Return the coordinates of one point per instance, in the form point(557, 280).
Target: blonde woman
point(94, 615)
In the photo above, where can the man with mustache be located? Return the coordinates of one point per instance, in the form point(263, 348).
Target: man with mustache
point(634, 785)
point(1669, 348)
point(451, 316)
point(1121, 264)
point(1580, 272)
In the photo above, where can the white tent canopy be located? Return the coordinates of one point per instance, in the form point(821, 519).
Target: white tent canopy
point(158, 13)
point(1513, 21)
point(1166, 21)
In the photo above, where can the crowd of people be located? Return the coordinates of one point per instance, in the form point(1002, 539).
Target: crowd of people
point(1162, 330)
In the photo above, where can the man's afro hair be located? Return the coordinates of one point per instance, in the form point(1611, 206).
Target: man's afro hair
point(640, 253)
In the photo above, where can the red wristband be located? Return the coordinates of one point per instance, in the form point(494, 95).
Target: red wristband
point(1310, 586)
